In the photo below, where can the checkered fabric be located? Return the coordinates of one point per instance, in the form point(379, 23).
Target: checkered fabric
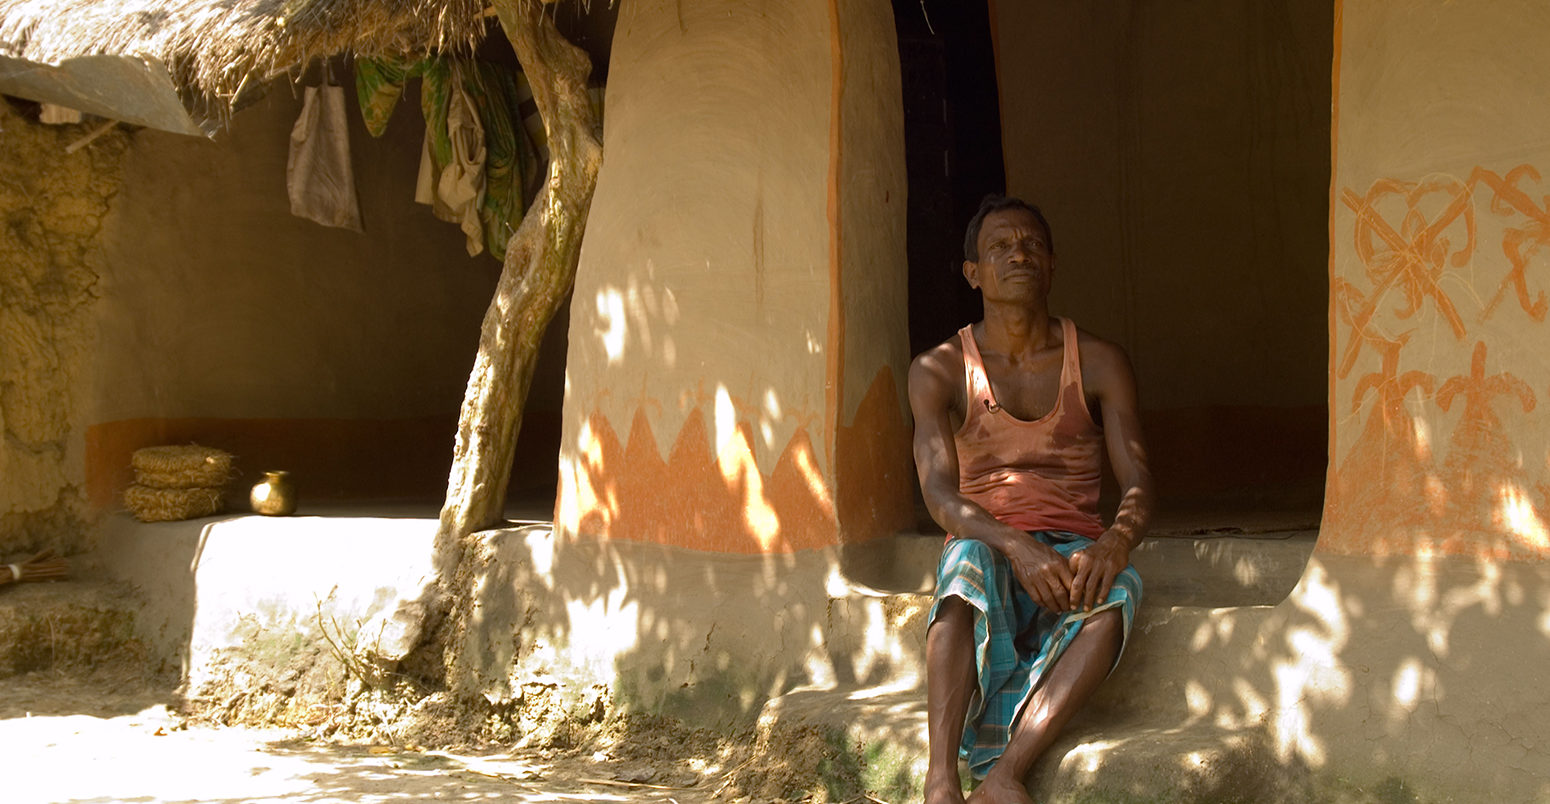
point(1015, 641)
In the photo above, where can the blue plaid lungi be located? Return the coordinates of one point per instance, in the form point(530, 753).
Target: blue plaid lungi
point(1016, 642)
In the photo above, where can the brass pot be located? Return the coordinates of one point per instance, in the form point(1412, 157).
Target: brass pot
point(275, 495)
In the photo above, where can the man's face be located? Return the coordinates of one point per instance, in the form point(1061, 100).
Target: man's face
point(1015, 264)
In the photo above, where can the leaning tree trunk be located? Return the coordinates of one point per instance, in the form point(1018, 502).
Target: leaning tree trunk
point(539, 270)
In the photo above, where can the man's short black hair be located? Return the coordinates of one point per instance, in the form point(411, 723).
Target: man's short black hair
point(998, 203)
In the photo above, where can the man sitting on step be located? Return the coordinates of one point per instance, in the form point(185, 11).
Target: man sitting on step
point(1034, 595)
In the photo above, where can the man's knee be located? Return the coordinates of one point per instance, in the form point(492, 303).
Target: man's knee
point(952, 613)
point(950, 634)
point(1107, 626)
point(971, 551)
point(965, 561)
point(1106, 620)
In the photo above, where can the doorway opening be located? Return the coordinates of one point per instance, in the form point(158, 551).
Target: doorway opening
point(952, 153)
point(1182, 155)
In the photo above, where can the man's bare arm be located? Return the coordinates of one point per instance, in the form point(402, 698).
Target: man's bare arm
point(935, 377)
point(1110, 377)
point(1126, 448)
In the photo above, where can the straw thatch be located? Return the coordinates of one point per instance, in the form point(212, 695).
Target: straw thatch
point(181, 467)
point(213, 48)
point(170, 505)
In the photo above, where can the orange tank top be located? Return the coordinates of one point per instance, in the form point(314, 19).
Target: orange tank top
point(1032, 475)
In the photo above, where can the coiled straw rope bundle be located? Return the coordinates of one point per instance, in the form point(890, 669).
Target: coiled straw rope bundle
point(170, 505)
point(177, 482)
point(181, 467)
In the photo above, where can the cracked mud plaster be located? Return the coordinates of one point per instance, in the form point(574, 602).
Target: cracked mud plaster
point(52, 205)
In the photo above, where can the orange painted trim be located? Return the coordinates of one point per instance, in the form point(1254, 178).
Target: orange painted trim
point(697, 497)
point(1334, 156)
point(834, 387)
point(874, 468)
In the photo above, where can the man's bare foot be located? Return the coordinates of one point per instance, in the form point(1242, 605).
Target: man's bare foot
point(943, 787)
point(995, 790)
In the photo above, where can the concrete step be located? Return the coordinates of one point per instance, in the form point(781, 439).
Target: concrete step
point(876, 635)
point(874, 639)
point(68, 625)
point(883, 726)
point(206, 584)
point(279, 570)
point(211, 589)
point(1189, 764)
point(1226, 569)
point(1135, 742)
point(1104, 761)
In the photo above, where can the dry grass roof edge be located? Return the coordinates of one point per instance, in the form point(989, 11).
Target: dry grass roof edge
point(213, 48)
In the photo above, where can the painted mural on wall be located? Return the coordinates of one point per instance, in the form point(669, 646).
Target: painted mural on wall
point(1440, 369)
point(708, 492)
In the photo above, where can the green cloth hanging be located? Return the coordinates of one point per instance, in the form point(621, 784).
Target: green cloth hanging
point(512, 170)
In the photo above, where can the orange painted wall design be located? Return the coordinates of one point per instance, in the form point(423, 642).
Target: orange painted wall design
point(874, 468)
point(765, 261)
point(1438, 367)
point(715, 498)
point(699, 496)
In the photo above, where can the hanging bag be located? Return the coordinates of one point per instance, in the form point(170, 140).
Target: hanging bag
point(318, 174)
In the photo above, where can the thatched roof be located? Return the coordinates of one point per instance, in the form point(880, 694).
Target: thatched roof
point(213, 49)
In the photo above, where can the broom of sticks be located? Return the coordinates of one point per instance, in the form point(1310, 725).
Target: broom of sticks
point(44, 566)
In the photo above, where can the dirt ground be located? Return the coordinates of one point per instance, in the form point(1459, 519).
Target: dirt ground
point(107, 738)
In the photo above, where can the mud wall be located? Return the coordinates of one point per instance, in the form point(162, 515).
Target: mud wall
point(737, 342)
point(340, 356)
point(52, 205)
point(874, 469)
point(1181, 153)
point(1407, 663)
point(1439, 285)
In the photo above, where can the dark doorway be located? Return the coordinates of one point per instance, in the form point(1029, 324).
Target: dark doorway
point(952, 133)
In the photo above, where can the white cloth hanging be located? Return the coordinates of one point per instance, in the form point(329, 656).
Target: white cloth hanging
point(457, 191)
point(318, 174)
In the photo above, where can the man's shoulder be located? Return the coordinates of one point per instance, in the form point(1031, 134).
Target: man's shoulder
point(937, 368)
point(945, 354)
point(1091, 344)
point(1103, 360)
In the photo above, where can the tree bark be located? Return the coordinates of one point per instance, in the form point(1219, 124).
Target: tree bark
point(538, 272)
